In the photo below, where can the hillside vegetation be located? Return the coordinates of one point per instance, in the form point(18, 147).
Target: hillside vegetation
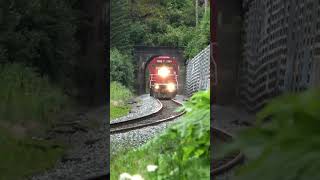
point(173, 23)
point(160, 23)
point(37, 55)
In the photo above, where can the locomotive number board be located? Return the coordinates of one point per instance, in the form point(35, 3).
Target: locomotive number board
point(164, 61)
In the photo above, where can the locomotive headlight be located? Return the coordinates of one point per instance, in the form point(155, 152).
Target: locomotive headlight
point(171, 87)
point(163, 72)
point(156, 86)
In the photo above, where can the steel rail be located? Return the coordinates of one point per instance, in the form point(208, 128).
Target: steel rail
point(140, 119)
point(236, 160)
point(133, 120)
point(107, 175)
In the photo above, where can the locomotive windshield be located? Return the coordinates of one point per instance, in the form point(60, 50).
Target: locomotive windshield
point(169, 65)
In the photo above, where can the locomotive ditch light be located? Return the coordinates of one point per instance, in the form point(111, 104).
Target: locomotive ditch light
point(156, 86)
point(171, 87)
point(163, 72)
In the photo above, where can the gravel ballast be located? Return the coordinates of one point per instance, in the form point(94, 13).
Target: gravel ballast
point(90, 155)
point(136, 138)
point(144, 105)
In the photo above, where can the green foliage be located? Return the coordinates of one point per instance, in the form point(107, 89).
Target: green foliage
point(287, 146)
point(39, 33)
point(199, 37)
point(191, 137)
point(137, 33)
point(118, 92)
point(162, 18)
point(194, 131)
point(117, 111)
point(120, 26)
point(176, 36)
point(27, 97)
point(119, 95)
point(180, 152)
point(159, 23)
point(121, 67)
point(22, 157)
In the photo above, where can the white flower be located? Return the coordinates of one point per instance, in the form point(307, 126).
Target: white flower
point(137, 177)
point(125, 176)
point(152, 168)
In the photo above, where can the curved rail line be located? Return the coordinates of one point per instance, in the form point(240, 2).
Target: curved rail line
point(235, 159)
point(119, 124)
point(231, 162)
point(142, 122)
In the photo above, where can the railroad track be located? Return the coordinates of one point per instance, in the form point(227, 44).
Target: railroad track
point(165, 114)
point(221, 166)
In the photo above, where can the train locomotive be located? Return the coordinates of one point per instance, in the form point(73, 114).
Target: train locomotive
point(163, 77)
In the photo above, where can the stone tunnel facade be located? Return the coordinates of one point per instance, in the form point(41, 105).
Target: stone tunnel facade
point(143, 54)
point(281, 49)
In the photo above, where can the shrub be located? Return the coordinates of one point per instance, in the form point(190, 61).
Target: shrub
point(26, 97)
point(40, 33)
point(200, 37)
point(190, 140)
point(287, 146)
point(119, 94)
point(121, 68)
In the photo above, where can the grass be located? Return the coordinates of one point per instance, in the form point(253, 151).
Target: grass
point(119, 95)
point(27, 97)
point(135, 161)
point(29, 105)
point(118, 111)
point(22, 157)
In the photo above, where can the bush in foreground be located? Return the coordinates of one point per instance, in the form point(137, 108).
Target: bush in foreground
point(287, 146)
point(180, 152)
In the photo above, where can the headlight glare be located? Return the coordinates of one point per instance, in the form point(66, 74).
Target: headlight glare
point(163, 72)
point(171, 87)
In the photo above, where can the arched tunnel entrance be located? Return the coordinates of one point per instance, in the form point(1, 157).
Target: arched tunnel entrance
point(143, 56)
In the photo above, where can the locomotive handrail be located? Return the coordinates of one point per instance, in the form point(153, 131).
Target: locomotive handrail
point(168, 75)
point(152, 75)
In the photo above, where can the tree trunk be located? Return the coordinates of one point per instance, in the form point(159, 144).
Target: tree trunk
point(196, 7)
point(205, 6)
point(93, 61)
